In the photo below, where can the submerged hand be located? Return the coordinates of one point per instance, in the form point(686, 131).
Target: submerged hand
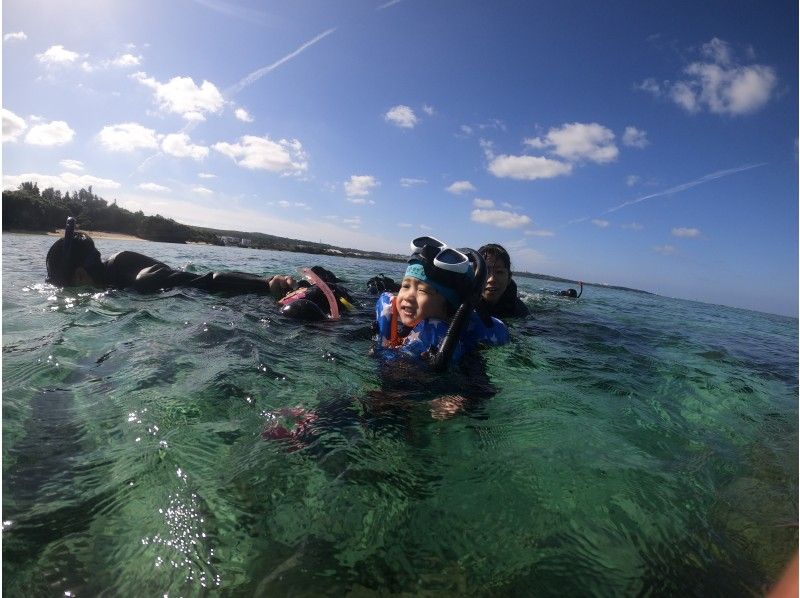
point(447, 406)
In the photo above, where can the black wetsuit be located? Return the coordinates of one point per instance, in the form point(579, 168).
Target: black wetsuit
point(128, 269)
point(508, 306)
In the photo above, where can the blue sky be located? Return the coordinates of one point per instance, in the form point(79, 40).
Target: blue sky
point(652, 145)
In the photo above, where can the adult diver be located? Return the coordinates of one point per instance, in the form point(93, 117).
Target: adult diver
point(73, 260)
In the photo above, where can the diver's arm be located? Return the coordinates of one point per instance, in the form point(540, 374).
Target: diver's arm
point(160, 276)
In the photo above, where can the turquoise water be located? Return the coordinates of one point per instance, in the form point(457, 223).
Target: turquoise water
point(622, 444)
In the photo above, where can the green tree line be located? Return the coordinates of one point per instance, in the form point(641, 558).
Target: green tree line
point(26, 208)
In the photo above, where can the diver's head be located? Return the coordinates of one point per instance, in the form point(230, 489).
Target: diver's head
point(498, 271)
point(73, 260)
point(572, 293)
point(448, 272)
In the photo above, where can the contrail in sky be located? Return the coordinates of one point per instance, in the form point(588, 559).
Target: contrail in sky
point(684, 186)
point(388, 4)
point(672, 190)
point(232, 10)
point(256, 75)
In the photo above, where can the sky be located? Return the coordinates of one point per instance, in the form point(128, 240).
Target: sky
point(652, 145)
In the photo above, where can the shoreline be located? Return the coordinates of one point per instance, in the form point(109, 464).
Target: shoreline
point(94, 234)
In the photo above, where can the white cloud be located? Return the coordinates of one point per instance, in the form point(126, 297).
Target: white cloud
point(402, 116)
point(428, 109)
point(600, 223)
point(16, 36)
point(261, 153)
point(290, 204)
point(56, 132)
point(125, 61)
point(500, 218)
point(634, 137)
point(721, 85)
point(57, 55)
point(685, 232)
point(180, 146)
point(460, 187)
point(206, 175)
point(540, 233)
point(633, 226)
point(718, 51)
point(482, 203)
point(579, 141)
point(72, 164)
point(527, 168)
point(202, 190)
point(359, 187)
point(665, 249)
point(127, 137)
point(66, 181)
point(632, 180)
point(243, 115)
point(404, 224)
point(407, 182)
point(649, 85)
point(13, 126)
point(354, 222)
point(153, 187)
point(180, 95)
point(361, 201)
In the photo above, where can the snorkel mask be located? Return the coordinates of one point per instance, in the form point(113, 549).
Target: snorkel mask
point(451, 271)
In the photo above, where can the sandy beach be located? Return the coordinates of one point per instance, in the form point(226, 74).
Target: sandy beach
point(97, 234)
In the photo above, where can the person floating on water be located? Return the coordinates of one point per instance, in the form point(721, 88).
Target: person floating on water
point(571, 293)
point(74, 261)
point(499, 296)
point(432, 316)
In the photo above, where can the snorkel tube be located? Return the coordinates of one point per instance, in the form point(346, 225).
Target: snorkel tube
point(441, 359)
point(314, 279)
point(69, 234)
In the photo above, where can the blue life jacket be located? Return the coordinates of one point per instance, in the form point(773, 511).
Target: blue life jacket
point(396, 339)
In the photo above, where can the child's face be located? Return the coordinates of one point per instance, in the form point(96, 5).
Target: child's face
point(417, 301)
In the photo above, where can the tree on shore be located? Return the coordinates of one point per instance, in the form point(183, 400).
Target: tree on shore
point(26, 208)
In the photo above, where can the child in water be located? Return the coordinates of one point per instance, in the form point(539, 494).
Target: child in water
point(416, 321)
point(430, 321)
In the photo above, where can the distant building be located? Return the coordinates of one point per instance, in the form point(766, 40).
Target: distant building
point(235, 241)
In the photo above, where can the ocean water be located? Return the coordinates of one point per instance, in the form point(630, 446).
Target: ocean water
point(621, 444)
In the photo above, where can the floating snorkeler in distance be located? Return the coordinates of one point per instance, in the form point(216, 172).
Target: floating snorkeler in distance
point(571, 293)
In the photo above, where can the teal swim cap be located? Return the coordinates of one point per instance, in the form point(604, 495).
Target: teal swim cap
point(417, 270)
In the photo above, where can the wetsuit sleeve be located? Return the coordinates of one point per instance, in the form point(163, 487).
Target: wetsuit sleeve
point(160, 276)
